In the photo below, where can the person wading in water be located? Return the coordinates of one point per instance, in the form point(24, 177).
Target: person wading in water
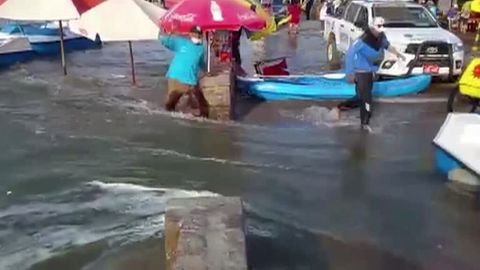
point(361, 63)
point(183, 72)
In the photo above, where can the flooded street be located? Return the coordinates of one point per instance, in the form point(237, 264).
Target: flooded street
point(88, 163)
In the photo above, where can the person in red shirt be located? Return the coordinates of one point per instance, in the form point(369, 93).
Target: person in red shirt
point(294, 10)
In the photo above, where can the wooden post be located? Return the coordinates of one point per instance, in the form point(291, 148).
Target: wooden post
point(132, 63)
point(205, 233)
point(62, 48)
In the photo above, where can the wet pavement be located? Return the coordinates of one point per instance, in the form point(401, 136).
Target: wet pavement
point(88, 162)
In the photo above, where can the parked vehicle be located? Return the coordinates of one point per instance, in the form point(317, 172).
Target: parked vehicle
point(410, 27)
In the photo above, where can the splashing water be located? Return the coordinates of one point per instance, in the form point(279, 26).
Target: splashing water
point(117, 212)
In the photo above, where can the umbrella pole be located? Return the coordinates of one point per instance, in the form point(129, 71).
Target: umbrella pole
point(208, 52)
point(134, 81)
point(62, 49)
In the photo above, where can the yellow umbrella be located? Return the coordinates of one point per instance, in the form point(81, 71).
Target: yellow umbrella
point(467, 6)
point(475, 6)
point(270, 20)
point(470, 80)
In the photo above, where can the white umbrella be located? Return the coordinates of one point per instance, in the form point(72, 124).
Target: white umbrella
point(40, 10)
point(120, 20)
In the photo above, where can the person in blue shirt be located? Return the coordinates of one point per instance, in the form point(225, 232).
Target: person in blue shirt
point(361, 63)
point(184, 69)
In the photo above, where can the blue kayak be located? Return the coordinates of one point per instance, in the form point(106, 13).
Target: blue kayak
point(327, 86)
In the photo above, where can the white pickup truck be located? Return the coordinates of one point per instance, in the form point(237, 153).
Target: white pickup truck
point(409, 27)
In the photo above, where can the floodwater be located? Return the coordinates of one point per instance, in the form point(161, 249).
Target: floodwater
point(88, 163)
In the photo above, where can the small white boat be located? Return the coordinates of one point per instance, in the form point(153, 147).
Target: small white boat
point(458, 143)
point(14, 49)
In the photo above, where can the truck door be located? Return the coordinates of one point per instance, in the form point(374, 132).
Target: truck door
point(346, 26)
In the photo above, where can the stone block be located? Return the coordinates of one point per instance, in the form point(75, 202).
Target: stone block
point(205, 233)
point(218, 90)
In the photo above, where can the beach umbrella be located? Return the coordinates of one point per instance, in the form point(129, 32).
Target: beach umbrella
point(230, 15)
point(211, 15)
point(46, 10)
point(120, 20)
point(41, 10)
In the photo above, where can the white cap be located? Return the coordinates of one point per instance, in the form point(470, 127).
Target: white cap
point(377, 24)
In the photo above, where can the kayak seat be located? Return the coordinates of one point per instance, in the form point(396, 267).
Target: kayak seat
point(273, 67)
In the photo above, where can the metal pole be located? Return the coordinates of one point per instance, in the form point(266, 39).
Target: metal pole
point(62, 49)
point(134, 81)
point(208, 51)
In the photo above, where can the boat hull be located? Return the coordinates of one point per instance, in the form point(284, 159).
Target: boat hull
point(13, 50)
point(326, 87)
point(446, 162)
point(72, 44)
point(456, 143)
point(7, 59)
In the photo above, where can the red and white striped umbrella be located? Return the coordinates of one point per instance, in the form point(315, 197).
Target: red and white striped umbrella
point(112, 20)
point(45, 10)
point(120, 20)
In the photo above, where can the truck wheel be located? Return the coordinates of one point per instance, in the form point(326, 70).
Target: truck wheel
point(332, 53)
point(453, 78)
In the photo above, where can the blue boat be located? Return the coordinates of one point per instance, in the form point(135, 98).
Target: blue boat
point(446, 162)
point(13, 50)
point(326, 86)
point(457, 145)
point(45, 38)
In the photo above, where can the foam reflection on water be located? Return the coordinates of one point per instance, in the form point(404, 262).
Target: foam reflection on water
point(48, 225)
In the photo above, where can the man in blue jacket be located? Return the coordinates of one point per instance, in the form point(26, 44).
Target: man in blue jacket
point(183, 72)
point(361, 64)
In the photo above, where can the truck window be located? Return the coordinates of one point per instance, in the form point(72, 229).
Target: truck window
point(351, 13)
point(405, 16)
point(362, 18)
